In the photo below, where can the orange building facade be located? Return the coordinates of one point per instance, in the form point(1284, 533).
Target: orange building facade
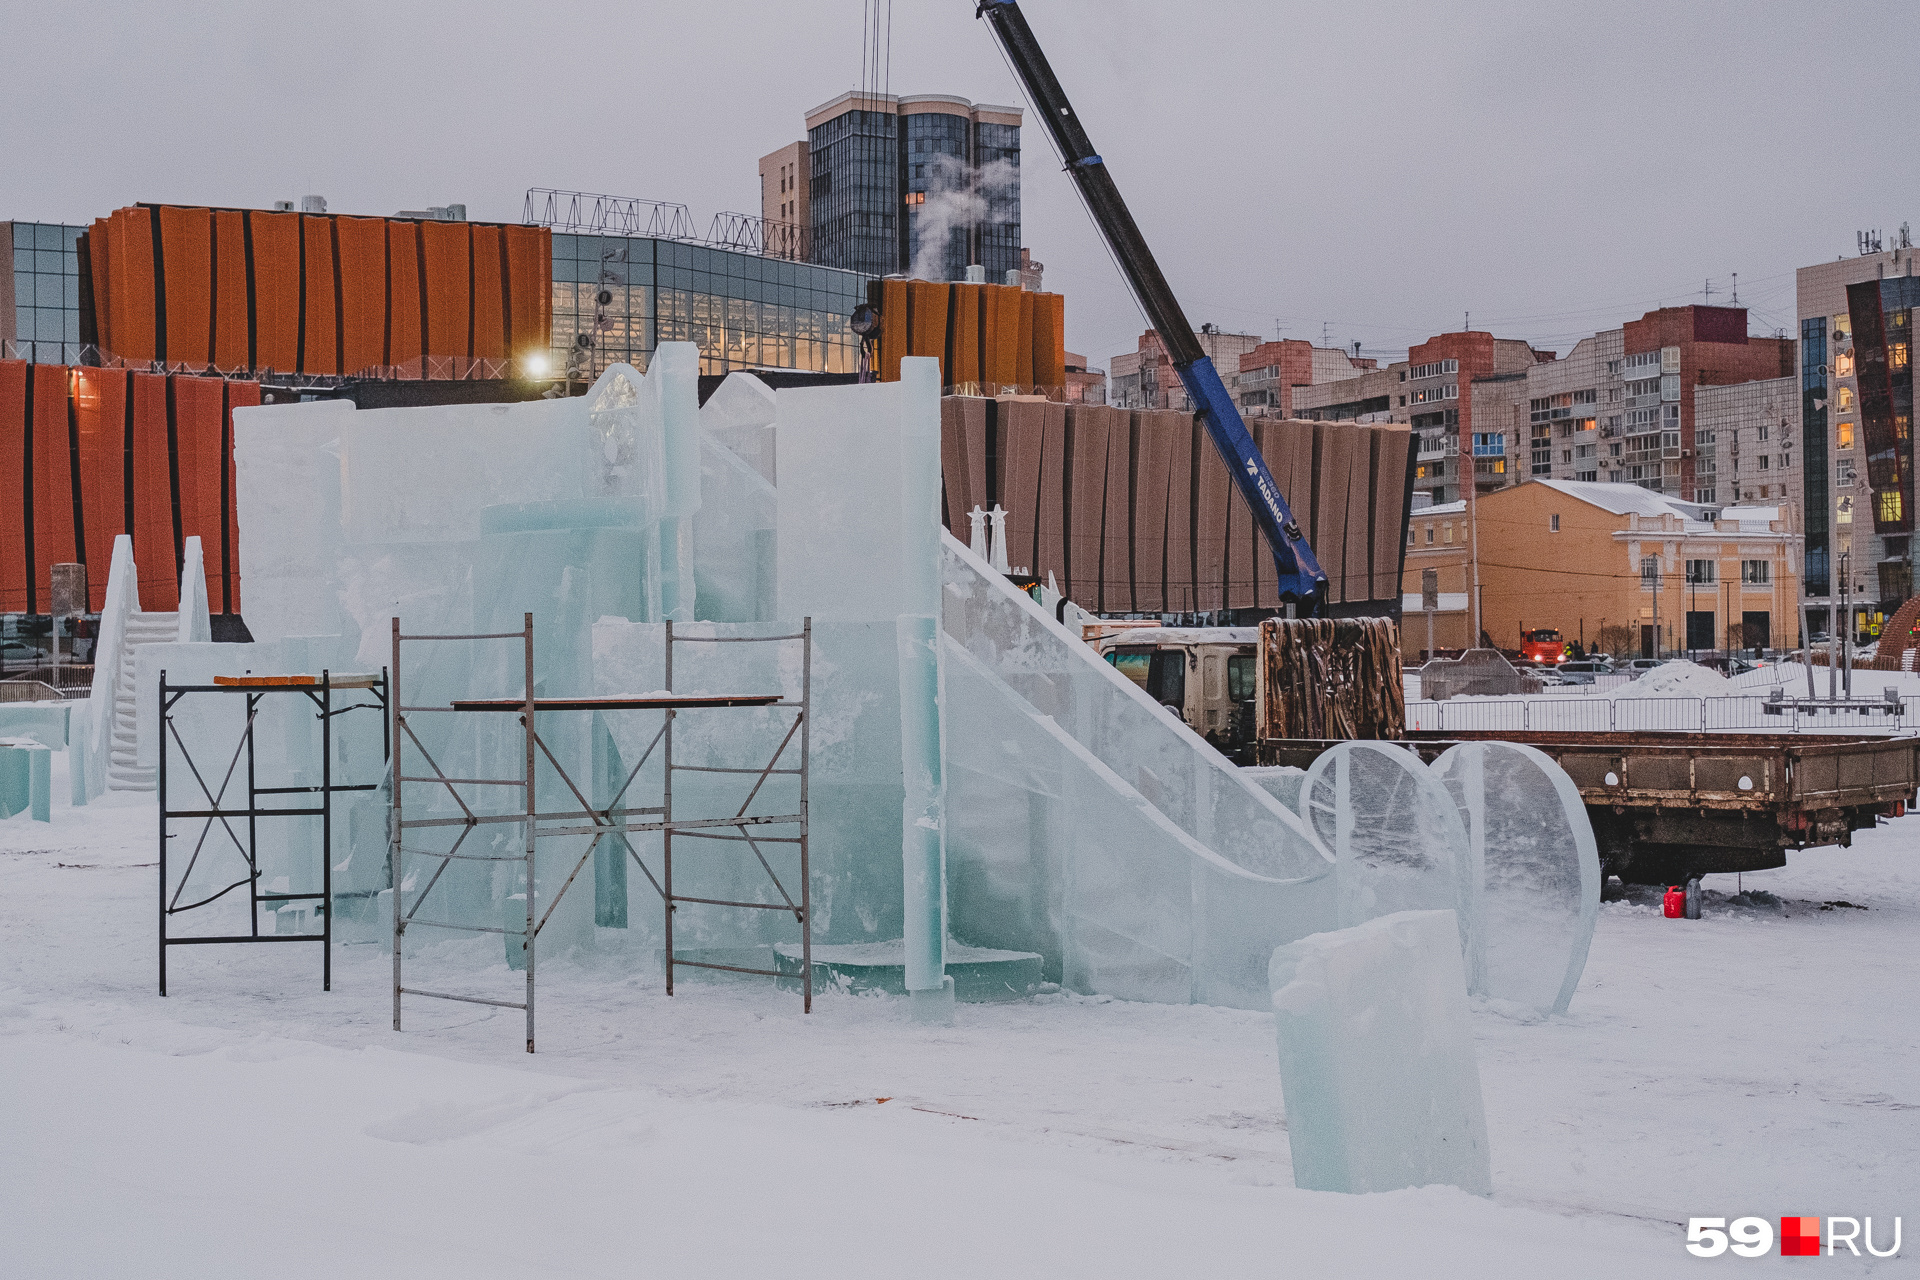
point(237, 291)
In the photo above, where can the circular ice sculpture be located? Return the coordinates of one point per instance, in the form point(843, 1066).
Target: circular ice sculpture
point(1396, 838)
point(1540, 891)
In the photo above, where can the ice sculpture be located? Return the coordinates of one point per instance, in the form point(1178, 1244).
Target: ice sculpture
point(1540, 894)
point(1282, 782)
point(1397, 840)
point(1376, 1058)
point(859, 529)
point(1213, 935)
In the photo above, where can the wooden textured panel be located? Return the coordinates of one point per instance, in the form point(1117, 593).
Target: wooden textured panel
point(153, 549)
point(100, 413)
point(529, 289)
point(489, 294)
point(405, 339)
point(446, 283)
point(1389, 509)
point(894, 339)
point(240, 395)
point(1049, 340)
point(1051, 553)
point(100, 267)
point(1153, 446)
point(1359, 523)
point(1002, 307)
point(964, 341)
point(1330, 506)
point(1182, 444)
point(321, 350)
point(1022, 453)
point(229, 294)
point(186, 251)
point(1116, 535)
point(929, 319)
point(363, 292)
point(53, 532)
point(1211, 552)
point(134, 285)
point(956, 498)
point(14, 571)
point(1023, 345)
point(1086, 510)
point(276, 290)
point(198, 420)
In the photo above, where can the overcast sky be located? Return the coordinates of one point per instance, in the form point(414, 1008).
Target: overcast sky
point(1373, 171)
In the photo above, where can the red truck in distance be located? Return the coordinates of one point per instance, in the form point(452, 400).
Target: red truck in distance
point(1544, 646)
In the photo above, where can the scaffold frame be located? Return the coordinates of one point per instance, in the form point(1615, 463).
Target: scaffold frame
point(613, 819)
point(255, 689)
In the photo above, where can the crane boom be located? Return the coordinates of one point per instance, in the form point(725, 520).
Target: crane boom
point(1300, 578)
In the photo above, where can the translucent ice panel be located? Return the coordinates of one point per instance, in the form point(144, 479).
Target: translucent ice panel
point(1377, 1060)
point(287, 466)
point(733, 538)
point(1161, 758)
point(1541, 889)
point(1397, 839)
point(738, 415)
point(1282, 782)
point(1049, 850)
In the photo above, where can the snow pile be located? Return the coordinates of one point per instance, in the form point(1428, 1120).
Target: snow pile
point(1676, 680)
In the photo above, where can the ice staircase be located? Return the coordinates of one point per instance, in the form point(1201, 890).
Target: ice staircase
point(123, 770)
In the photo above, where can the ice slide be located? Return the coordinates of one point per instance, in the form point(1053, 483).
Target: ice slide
point(1087, 823)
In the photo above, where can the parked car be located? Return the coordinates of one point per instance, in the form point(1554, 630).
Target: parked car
point(20, 653)
point(1640, 666)
point(1729, 666)
point(1584, 670)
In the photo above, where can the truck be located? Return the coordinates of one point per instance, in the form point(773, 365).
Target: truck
point(1208, 676)
point(1544, 646)
point(1667, 807)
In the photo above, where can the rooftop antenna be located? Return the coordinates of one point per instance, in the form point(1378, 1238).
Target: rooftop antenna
point(1706, 291)
point(1736, 290)
point(1356, 348)
point(1466, 322)
point(1326, 333)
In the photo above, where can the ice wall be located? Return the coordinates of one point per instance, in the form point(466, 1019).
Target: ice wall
point(858, 528)
point(1540, 893)
point(1397, 840)
point(1377, 1060)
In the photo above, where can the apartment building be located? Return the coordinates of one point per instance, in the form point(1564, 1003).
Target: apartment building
point(1434, 391)
point(1264, 383)
point(1747, 446)
point(1856, 419)
point(1144, 378)
point(1613, 565)
point(784, 182)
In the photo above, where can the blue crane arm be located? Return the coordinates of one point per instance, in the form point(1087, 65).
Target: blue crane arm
point(1299, 577)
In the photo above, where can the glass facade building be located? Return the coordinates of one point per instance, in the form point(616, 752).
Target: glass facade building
point(926, 186)
point(46, 293)
point(616, 298)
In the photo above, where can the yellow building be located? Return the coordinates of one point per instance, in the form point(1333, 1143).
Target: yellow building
point(1615, 565)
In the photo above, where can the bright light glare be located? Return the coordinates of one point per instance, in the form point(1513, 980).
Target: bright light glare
point(536, 366)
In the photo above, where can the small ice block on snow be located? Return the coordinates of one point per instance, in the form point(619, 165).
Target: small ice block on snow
point(1376, 1058)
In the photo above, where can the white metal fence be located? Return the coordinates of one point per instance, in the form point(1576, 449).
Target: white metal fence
point(1673, 714)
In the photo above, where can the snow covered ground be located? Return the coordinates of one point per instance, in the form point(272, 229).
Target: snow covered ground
point(1759, 1061)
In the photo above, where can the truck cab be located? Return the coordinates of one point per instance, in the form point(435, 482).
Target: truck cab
point(1205, 675)
point(1544, 646)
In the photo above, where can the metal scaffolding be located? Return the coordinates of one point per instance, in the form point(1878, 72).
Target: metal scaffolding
point(255, 689)
point(611, 820)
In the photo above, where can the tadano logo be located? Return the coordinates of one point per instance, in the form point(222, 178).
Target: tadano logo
point(1799, 1237)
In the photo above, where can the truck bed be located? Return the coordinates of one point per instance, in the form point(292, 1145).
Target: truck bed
point(1668, 805)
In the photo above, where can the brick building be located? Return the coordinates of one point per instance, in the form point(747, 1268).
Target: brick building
point(1144, 378)
point(1265, 381)
point(1434, 391)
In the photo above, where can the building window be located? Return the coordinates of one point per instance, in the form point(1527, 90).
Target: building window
point(1429, 535)
point(1704, 495)
point(1435, 369)
point(1649, 571)
point(1410, 537)
point(1763, 462)
point(1843, 364)
point(1843, 435)
point(1446, 531)
point(1553, 523)
point(1843, 473)
point(1843, 399)
point(1702, 573)
point(1489, 444)
point(1889, 508)
point(1756, 573)
point(1762, 432)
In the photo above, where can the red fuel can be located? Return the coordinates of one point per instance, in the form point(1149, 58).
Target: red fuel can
point(1674, 902)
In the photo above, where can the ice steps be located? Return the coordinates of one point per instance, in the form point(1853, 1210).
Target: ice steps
point(123, 769)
